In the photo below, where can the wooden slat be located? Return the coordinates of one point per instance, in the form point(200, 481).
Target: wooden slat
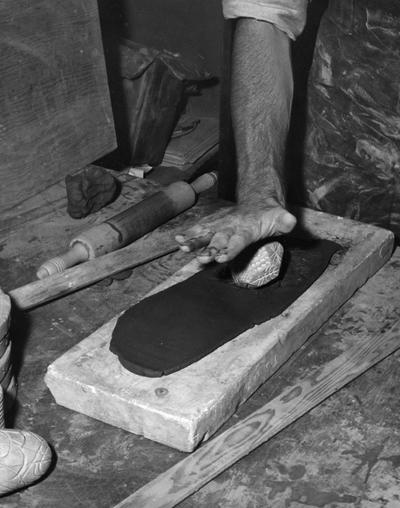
point(54, 101)
point(186, 477)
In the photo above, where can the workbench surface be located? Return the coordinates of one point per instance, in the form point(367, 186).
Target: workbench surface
point(345, 453)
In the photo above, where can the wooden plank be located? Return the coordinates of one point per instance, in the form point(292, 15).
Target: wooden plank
point(187, 407)
point(186, 477)
point(54, 101)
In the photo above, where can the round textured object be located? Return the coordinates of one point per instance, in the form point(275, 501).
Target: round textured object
point(24, 458)
point(263, 267)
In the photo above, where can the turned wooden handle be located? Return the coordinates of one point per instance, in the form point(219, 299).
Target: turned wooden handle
point(76, 254)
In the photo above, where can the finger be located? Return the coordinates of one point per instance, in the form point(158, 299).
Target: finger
point(217, 245)
point(237, 243)
point(192, 244)
point(277, 221)
point(221, 239)
point(286, 222)
point(193, 232)
point(207, 255)
point(194, 238)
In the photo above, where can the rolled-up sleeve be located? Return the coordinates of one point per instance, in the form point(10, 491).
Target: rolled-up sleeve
point(287, 15)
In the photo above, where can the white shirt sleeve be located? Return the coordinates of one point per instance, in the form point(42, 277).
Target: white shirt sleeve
point(287, 15)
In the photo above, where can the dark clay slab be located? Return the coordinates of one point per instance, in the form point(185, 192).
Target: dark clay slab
point(176, 327)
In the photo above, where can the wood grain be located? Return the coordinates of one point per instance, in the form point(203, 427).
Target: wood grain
point(54, 101)
point(186, 477)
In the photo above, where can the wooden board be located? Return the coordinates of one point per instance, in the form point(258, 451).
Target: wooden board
point(54, 101)
point(185, 408)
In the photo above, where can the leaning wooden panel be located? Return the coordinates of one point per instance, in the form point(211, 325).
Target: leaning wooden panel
point(54, 101)
point(185, 408)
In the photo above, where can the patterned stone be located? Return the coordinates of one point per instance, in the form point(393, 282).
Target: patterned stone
point(24, 458)
point(263, 267)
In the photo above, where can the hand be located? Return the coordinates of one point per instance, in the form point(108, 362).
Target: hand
point(229, 231)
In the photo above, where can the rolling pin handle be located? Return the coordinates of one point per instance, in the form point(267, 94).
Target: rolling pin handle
point(76, 254)
point(204, 182)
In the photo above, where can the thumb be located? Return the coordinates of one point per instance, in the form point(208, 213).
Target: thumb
point(283, 221)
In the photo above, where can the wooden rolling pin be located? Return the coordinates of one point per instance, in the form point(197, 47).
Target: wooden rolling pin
point(128, 226)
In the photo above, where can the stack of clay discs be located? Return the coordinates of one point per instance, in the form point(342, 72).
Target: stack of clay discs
point(7, 380)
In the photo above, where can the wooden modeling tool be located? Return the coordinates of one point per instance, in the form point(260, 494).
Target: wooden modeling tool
point(126, 227)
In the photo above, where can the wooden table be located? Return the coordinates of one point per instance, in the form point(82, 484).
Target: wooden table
point(344, 451)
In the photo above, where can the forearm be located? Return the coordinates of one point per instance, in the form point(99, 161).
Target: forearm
point(262, 91)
